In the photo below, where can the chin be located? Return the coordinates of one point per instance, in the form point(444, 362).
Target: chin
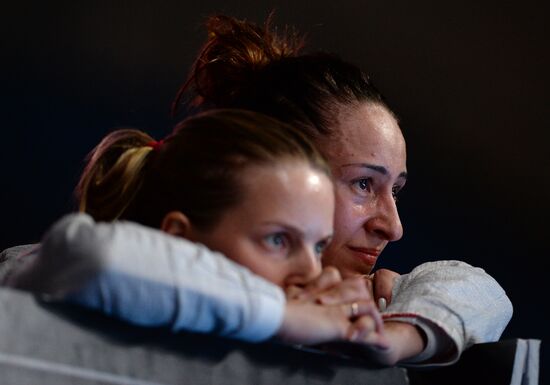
point(348, 265)
point(353, 269)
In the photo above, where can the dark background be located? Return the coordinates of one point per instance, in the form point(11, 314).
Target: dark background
point(469, 81)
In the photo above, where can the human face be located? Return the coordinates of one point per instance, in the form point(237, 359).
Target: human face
point(367, 156)
point(282, 225)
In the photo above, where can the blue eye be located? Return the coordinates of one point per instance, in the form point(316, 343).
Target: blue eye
point(276, 241)
point(320, 247)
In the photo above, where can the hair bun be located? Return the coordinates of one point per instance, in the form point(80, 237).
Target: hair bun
point(234, 55)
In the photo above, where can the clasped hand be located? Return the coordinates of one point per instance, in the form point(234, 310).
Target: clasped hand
point(330, 308)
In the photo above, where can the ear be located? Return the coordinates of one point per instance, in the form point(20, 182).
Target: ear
point(176, 223)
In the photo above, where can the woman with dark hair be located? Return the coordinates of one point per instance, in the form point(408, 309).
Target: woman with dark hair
point(450, 304)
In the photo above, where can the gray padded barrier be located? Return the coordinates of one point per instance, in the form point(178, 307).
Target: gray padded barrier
point(46, 344)
point(49, 344)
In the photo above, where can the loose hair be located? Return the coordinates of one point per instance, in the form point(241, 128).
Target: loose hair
point(246, 66)
point(195, 170)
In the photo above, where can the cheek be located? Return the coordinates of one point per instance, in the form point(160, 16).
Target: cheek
point(234, 245)
point(235, 252)
point(274, 271)
point(249, 253)
point(348, 219)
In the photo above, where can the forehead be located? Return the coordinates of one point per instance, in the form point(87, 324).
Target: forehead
point(366, 133)
point(291, 192)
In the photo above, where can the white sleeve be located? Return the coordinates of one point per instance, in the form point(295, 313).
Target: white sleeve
point(454, 303)
point(148, 277)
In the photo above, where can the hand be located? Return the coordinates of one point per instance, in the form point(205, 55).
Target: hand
point(310, 323)
point(403, 341)
point(331, 309)
point(329, 289)
point(381, 284)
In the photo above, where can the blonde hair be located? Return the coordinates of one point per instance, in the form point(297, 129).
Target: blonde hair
point(113, 173)
point(196, 170)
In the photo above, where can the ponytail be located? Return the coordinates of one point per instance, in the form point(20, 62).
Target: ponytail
point(113, 174)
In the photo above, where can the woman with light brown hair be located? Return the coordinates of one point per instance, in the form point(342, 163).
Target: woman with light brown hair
point(235, 181)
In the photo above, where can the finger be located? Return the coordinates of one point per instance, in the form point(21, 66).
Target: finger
point(349, 290)
point(293, 291)
point(354, 310)
point(383, 281)
point(361, 328)
point(365, 331)
point(329, 278)
point(367, 279)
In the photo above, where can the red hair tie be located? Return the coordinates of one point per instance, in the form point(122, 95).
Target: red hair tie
point(155, 144)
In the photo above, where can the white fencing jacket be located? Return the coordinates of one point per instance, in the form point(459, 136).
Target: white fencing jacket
point(150, 278)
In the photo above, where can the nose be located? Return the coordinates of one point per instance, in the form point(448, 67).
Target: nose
point(305, 267)
point(385, 221)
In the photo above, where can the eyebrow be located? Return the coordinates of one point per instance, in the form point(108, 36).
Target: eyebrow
point(287, 227)
point(292, 229)
point(381, 169)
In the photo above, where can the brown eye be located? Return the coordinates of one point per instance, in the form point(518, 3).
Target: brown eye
point(362, 185)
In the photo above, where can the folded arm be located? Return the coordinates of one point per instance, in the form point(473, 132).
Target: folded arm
point(453, 304)
point(150, 278)
point(147, 277)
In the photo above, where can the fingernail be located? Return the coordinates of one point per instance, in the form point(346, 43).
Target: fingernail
point(354, 335)
point(382, 304)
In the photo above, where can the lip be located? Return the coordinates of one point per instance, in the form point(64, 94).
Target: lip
point(369, 256)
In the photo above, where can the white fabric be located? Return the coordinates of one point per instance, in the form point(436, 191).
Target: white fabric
point(461, 304)
point(151, 278)
point(526, 363)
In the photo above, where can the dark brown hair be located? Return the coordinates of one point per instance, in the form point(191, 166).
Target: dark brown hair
point(246, 66)
point(195, 170)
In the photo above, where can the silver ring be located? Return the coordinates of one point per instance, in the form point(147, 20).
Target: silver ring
point(354, 309)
